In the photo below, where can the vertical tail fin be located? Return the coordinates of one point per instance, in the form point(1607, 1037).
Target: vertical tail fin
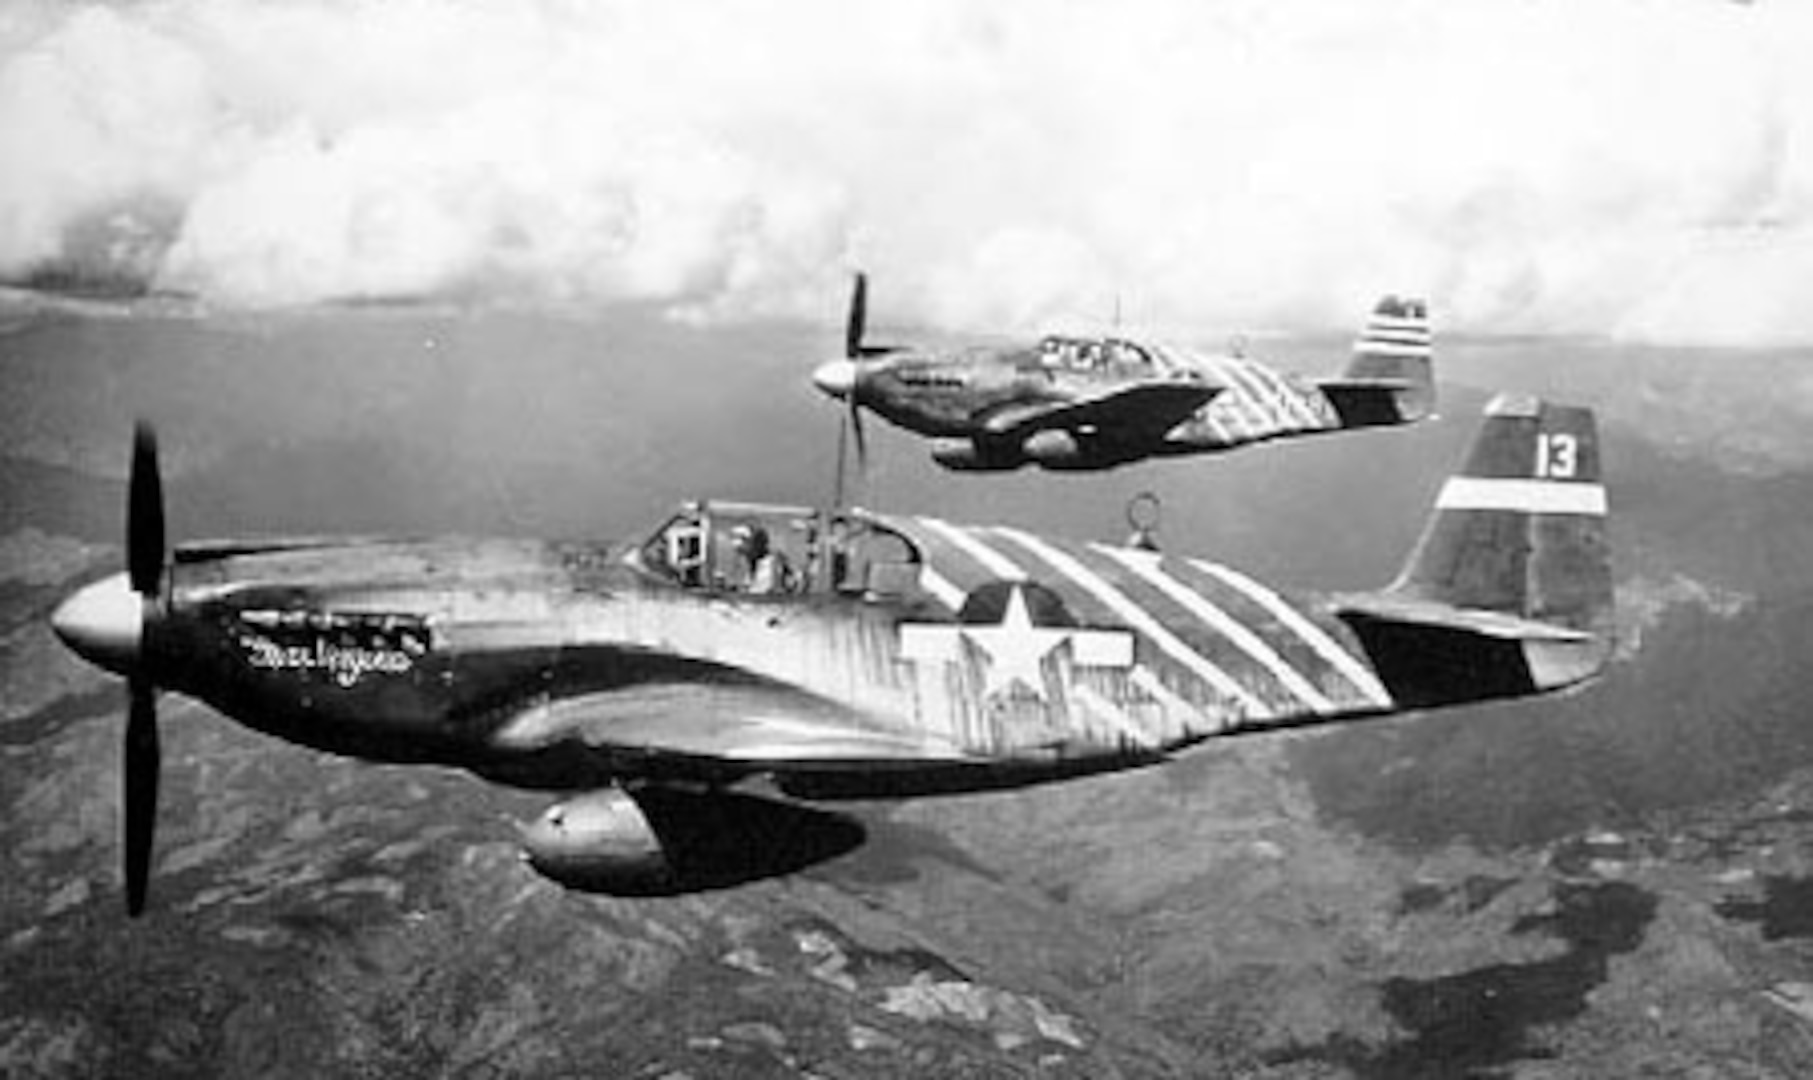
point(1521, 529)
point(1509, 590)
point(1391, 378)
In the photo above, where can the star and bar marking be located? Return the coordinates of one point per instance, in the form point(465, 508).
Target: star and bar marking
point(1015, 647)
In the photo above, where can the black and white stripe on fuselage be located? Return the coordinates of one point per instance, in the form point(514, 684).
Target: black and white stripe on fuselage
point(1214, 649)
point(1257, 402)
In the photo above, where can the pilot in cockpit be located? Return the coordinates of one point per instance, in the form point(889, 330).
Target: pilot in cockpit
point(766, 569)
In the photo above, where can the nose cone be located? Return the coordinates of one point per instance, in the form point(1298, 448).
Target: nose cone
point(836, 377)
point(102, 623)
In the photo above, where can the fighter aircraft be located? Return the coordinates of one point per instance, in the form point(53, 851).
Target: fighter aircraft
point(1088, 403)
point(691, 692)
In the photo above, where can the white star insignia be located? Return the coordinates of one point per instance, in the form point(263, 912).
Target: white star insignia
point(1015, 647)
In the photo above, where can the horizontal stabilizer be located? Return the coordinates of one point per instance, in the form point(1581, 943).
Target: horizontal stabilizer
point(1364, 385)
point(1387, 608)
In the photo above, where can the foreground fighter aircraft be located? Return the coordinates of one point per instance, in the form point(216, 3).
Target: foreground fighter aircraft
point(1080, 403)
point(691, 691)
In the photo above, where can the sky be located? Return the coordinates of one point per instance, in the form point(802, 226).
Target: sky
point(1628, 169)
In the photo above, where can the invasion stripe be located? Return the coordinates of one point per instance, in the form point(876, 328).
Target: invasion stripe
point(1397, 326)
point(996, 563)
point(1114, 715)
point(1144, 678)
point(1398, 337)
point(1242, 372)
point(1314, 636)
point(1171, 358)
point(1233, 415)
point(1265, 393)
point(1397, 322)
point(1288, 396)
point(940, 587)
point(1239, 405)
point(1386, 348)
point(1137, 618)
point(1167, 359)
point(1288, 407)
point(1148, 568)
point(1529, 496)
point(1224, 410)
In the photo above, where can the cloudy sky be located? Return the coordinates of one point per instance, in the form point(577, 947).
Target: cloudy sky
point(1609, 167)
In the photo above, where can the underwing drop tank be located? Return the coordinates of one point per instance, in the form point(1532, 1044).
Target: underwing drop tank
point(664, 841)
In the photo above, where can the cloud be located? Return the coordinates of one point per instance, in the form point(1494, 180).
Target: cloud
point(1631, 168)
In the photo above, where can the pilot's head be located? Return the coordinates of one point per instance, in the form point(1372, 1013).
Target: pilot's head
point(751, 540)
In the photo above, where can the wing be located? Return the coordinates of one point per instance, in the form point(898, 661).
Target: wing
point(756, 726)
point(1147, 408)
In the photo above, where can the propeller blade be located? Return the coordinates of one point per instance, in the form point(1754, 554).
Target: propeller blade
point(143, 761)
point(859, 317)
point(843, 440)
point(862, 444)
point(145, 514)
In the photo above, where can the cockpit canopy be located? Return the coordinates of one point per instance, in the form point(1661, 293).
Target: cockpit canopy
point(1094, 354)
point(758, 549)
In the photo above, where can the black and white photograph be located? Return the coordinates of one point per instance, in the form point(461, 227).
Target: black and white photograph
point(968, 538)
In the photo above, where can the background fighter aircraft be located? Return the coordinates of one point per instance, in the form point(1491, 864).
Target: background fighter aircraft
point(688, 688)
point(1093, 403)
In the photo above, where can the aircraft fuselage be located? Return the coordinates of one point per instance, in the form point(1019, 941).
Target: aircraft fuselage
point(980, 394)
point(842, 654)
point(996, 658)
